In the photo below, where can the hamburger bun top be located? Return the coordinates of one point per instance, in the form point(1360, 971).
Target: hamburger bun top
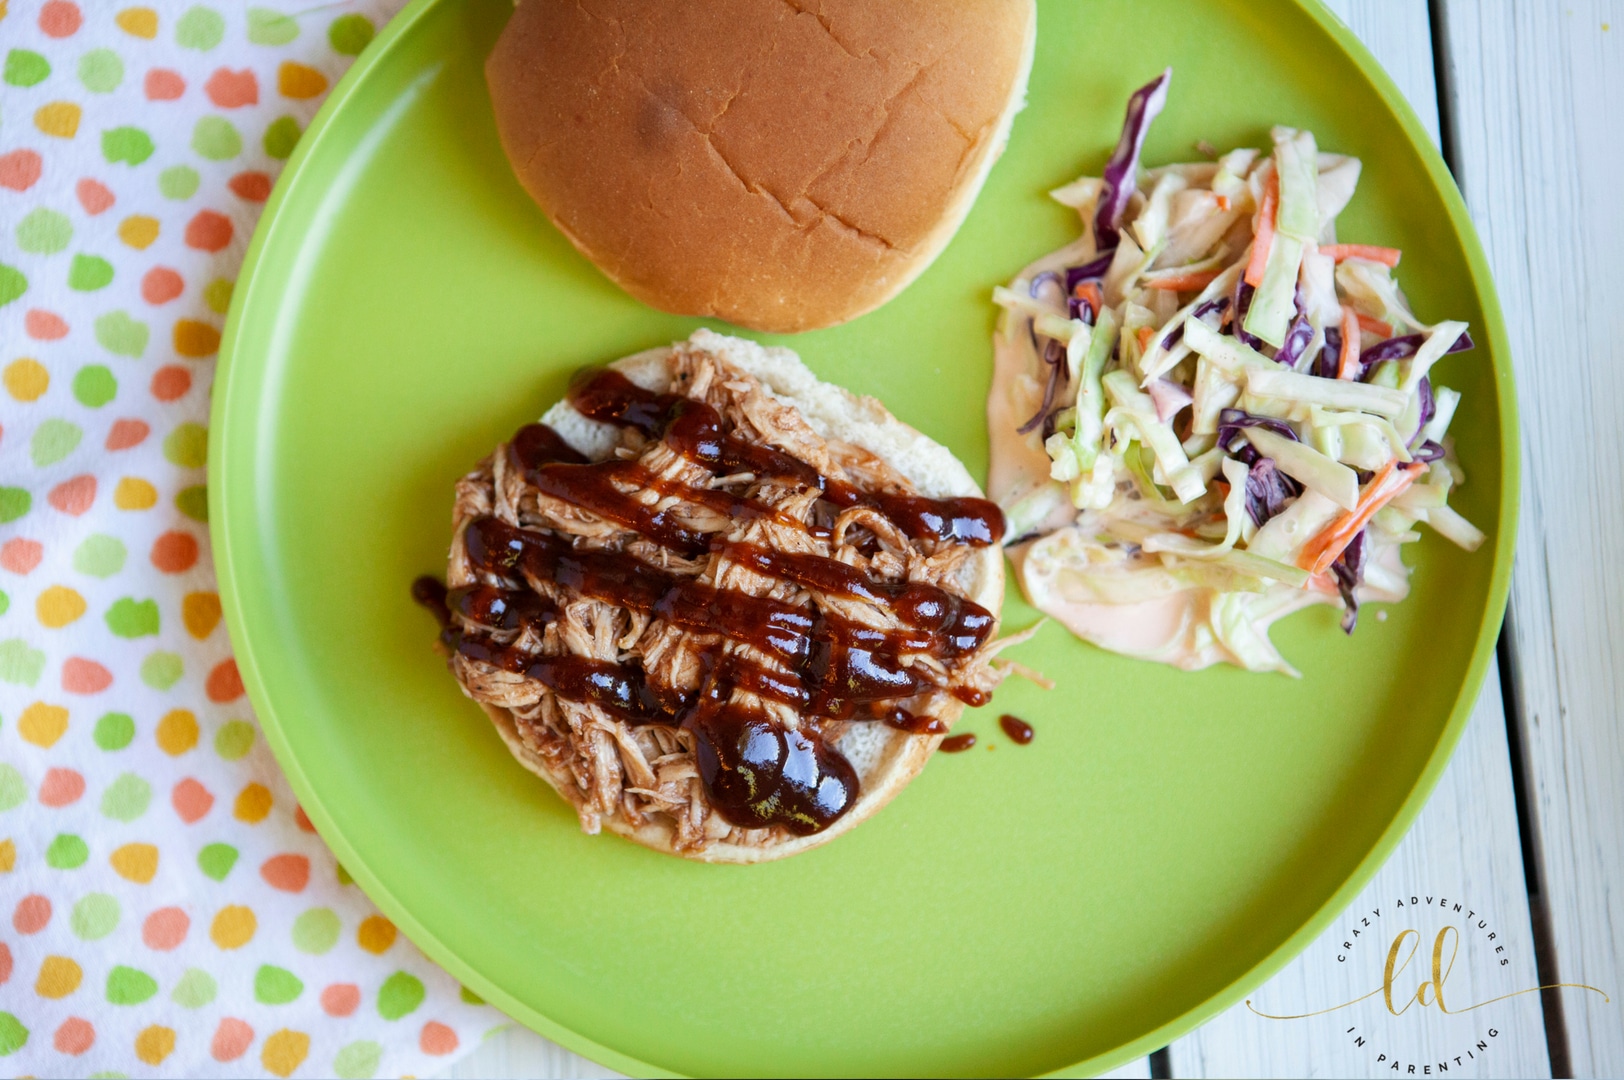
point(781, 164)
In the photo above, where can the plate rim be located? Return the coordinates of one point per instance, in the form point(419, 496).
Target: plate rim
point(222, 463)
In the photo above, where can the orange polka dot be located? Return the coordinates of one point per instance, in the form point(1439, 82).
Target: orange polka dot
point(60, 19)
point(33, 914)
point(171, 382)
point(253, 186)
point(191, 800)
point(164, 85)
point(232, 89)
point(233, 927)
point(58, 977)
point(42, 724)
point(61, 787)
point(174, 552)
point(127, 433)
point(200, 611)
point(82, 676)
point(74, 497)
point(340, 999)
point(285, 1051)
point(161, 285)
point(196, 339)
point(231, 1040)
point(165, 928)
point(177, 732)
point(21, 556)
point(298, 81)
point(253, 804)
point(94, 196)
point(154, 1044)
point(224, 683)
point(437, 1038)
point(301, 819)
point(375, 934)
point(135, 862)
point(44, 325)
point(290, 873)
point(20, 169)
point(74, 1036)
point(208, 231)
point(5, 957)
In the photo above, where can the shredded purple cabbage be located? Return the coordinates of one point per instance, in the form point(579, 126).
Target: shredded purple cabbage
point(1054, 355)
point(1298, 335)
point(1326, 364)
point(1349, 571)
point(1429, 405)
point(1218, 304)
point(1243, 304)
point(1122, 171)
point(1427, 452)
point(1268, 490)
point(1093, 270)
point(1397, 348)
point(1230, 423)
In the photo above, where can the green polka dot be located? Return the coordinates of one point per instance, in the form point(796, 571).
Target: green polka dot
point(114, 731)
point(13, 788)
point(89, 273)
point(99, 555)
point(67, 852)
point(178, 182)
point(281, 137)
point(121, 335)
point(53, 440)
point(44, 232)
point(342, 874)
point(470, 998)
point(13, 1036)
point(20, 662)
point(130, 145)
point(162, 670)
point(94, 917)
point(108, 1076)
point(215, 138)
point(276, 986)
point(127, 986)
point(217, 294)
point(349, 34)
point(127, 797)
point(316, 930)
point(101, 71)
point(234, 739)
point(216, 861)
point(131, 618)
point(188, 446)
point(358, 1060)
point(5, 603)
point(399, 995)
point(200, 28)
point(194, 503)
point(12, 284)
point(26, 68)
point(267, 27)
point(14, 503)
point(196, 989)
point(94, 386)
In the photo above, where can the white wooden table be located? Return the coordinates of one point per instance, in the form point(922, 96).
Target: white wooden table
point(1526, 98)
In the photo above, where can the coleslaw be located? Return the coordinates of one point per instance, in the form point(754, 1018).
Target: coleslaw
point(1207, 412)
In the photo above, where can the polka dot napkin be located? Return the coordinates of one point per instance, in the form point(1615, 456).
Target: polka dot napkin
point(165, 907)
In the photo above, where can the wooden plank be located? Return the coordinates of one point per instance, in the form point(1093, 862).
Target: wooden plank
point(1464, 845)
point(1538, 106)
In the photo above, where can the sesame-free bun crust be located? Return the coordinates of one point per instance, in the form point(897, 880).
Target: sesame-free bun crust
point(781, 164)
point(885, 758)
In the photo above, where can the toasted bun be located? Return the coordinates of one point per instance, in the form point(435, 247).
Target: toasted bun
point(885, 759)
point(781, 165)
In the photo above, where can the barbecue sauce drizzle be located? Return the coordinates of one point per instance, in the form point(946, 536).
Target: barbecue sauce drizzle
point(756, 772)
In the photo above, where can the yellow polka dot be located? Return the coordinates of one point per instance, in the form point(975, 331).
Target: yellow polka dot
point(8, 855)
point(285, 1051)
point(154, 1044)
point(27, 379)
point(253, 804)
point(134, 493)
point(233, 927)
point(42, 724)
point(376, 934)
point(142, 22)
point(299, 81)
point(59, 118)
point(196, 339)
point(177, 732)
point(58, 977)
point(138, 230)
point(200, 611)
point(135, 862)
point(58, 606)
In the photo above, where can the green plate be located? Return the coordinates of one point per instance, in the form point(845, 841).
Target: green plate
point(1168, 840)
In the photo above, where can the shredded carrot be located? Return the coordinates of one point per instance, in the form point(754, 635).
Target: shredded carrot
point(1264, 239)
point(1144, 336)
point(1089, 293)
point(1374, 326)
point(1223, 202)
point(1385, 255)
point(1324, 549)
point(1183, 282)
point(1347, 366)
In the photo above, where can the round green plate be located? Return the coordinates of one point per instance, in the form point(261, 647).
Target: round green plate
point(1168, 840)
